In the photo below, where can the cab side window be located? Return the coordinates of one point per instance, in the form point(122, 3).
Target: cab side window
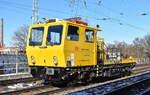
point(89, 35)
point(73, 33)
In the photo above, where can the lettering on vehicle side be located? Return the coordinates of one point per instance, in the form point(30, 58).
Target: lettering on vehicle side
point(84, 60)
point(86, 55)
point(84, 49)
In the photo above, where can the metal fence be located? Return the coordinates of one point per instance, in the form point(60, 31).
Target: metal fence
point(12, 62)
point(14, 68)
point(143, 60)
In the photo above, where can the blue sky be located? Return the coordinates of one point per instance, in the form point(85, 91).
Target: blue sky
point(124, 20)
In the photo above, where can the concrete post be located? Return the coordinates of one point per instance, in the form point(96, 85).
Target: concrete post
point(16, 53)
point(1, 33)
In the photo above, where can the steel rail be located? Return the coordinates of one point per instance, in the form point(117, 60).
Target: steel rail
point(113, 85)
point(23, 90)
point(67, 89)
point(126, 90)
point(21, 80)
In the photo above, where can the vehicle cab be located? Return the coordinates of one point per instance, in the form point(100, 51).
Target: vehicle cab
point(66, 43)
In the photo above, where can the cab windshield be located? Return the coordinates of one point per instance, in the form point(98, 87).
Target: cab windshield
point(36, 36)
point(54, 35)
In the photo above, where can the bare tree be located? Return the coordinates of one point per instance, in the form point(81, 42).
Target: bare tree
point(73, 3)
point(120, 46)
point(146, 45)
point(143, 45)
point(76, 6)
point(139, 47)
point(20, 37)
point(135, 50)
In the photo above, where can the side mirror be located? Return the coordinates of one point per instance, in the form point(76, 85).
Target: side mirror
point(97, 26)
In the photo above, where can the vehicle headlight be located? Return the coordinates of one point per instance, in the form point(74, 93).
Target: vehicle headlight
point(55, 60)
point(32, 60)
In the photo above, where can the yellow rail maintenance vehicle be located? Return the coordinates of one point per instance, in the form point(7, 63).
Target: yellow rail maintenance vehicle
point(69, 50)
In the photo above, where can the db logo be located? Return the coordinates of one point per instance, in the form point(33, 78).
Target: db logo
point(76, 48)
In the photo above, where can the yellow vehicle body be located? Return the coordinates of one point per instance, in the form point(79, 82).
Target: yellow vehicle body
point(70, 50)
point(78, 53)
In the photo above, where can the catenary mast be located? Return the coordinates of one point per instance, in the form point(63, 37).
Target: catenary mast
point(35, 12)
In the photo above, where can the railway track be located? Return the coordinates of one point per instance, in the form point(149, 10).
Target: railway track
point(137, 68)
point(141, 87)
point(48, 89)
point(135, 85)
point(141, 68)
point(104, 87)
point(21, 80)
point(29, 91)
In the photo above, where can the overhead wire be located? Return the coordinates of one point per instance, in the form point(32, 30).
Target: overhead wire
point(29, 7)
point(121, 22)
point(43, 9)
point(20, 6)
point(15, 9)
point(18, 11)
point(122, 14)
point(24, 7)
